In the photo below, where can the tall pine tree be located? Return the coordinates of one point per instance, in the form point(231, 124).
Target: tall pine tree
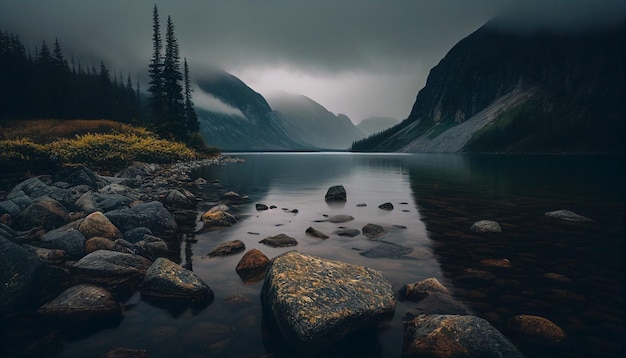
point(172, 86)
point(155, 70)
point(191, 117)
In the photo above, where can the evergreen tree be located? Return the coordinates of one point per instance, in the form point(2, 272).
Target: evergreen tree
point(155, 71)
point(174, 110)
point(191, 117)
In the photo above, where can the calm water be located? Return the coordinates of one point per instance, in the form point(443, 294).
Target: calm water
point(436, 200)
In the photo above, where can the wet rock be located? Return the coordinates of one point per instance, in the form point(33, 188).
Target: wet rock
point(340, 219)
point(112, 270)
point(567, 216)
point(122, 245)
point(438, 303)
point(168, 281)
point(347, 232)
point(499, 263)
point(486, 226)
point(71, 241)
point(252, 266)
point(538, 330)
point(81, 175)
point(99, 243)
point(179, 199)
point(151, 247)
point(152, 215)
point(121, 352)
point(220, 207)
point(96, 224)
point(218, 218)
point(336, 193)
point(49, 256)
point(45, 212)
point(261, 207)
point(434, 335)
point(373, 231)
point(316, 233)
point(228, 248)
point(315, 302)
point(231, 198)
point(9, 207)
point(386, 206)
point(386, 249)
point(26, 280)
point(82, 303)
point(419, 290)
point(136, 234)
point(280, 240)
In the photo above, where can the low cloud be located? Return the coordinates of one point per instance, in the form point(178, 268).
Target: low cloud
point(210, 103)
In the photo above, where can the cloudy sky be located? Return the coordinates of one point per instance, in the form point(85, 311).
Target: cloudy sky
point(358, 57)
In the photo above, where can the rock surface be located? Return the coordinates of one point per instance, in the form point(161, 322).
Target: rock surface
point(347, 232)
point(280, 240)
point(228, 248)
point(537, 329)
point(316, 233)
point(167, 281)
point(218, 218)
point(96, 224)
point(455, 336)
point(315, 301)
point(82, 303)
point(252, 266)
point(386, 206)
point(567, 216)
point(419, 290)
point(373, 231)
point(486, 226)
point(336, 193)
point(111, 269)
point(152, 215)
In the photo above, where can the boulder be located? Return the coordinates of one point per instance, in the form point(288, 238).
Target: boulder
point(32, 187)
point(49, 256)
point(97, 224)
point(99, 243)
point(419, 290)
point(82, 303)
point(45, 212)
point(373, 231)
point(280, 240)
point(315, 302)
point(347, 232)
point(136, 170)
point(439, 303)
point(218, 218)
point(9, 207)
point(71, 241)
point(386, 206)
point(179, 199)
point(136, 234)
point(81, 175)
point(316, 233)
point(486, 226)
point(228, 248)
point(252, 266)
point(152, 215)
point(336, 193)
point(112, 270)
point(151, 247)
point(434, 335)
point(168, 281)
point(567, 216)
point(536, 329)
point(261, 207)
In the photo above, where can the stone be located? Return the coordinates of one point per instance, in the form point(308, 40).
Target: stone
point(97, 224)
point(9, 207)
point(252, 266)
point(434, 335)
point(151, 247)
point(49, 256)
point(482, 226)
point(122, 352)
point(386, 206)
point(228, 248)
point(136, 170)
point(71, 241)
point(136, 234)
point(99, 243)
point(440, 303)
point(45, 212)
point(347, 232)
point(419, 290)
point(218, 218)
point(499, 263)
point(316, 302)
point(32, 187)
point(167, 281)
point(536, 329)
point(231, 198)
point(152, 215)
point(373, 231)
point(112, 270)
point(340, 218)
point(261, 207)
point(557, 277)
point(280, 240)
point(567, 216)
point(81, 175)
point(316, 233)
point(179, 199)
point(336, 193)
point(82, 303)
point(386, 249)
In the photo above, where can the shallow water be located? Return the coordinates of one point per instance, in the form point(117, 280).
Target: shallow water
point(436, 199)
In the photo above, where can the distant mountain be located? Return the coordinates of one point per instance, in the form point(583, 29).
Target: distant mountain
point(305, 120)
point(232, 116)
point(501, 91)
point(374, 125)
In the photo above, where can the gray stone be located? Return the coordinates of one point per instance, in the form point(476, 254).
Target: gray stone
point(168, 281)
point(339, 219)
point(261, 207)
point(9, 207)
point(82, 303)
point(433, 335)
point(386, 206)
point(151, 247)
point(81, 175)
point(33, 187)
point(228, 248)
point(45, 212)
point(280, 240)
point(373, 231)
point(440, 303)
point(231, 198)
point(336, 193)
point(347, 232)
point(71, 241)
point(486, 226)
point(112, 270)
point(315, 302)
point(567, 216)
point(136, 234)
point(218, 218)
point(152, 215)
point(386, 249)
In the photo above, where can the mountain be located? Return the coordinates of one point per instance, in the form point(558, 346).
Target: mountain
point(374, 125)
point(232, 116)
point(308, 121)
point(502, 91)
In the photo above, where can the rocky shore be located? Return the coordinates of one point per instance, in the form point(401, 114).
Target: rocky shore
point(76, 245)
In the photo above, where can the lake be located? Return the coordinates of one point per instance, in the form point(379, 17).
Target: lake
point(436, 199)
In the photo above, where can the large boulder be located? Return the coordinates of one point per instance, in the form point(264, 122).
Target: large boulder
point(96, 224)
point(434, 335)
point(137, 234)
point(71, 241)
point(45, 212)
point(168, 281)
point(25, 280)
point(32, 187)
point(82, 303)
point(336, 193)
point(152, 215)
point(315, 302)
point(112, 270)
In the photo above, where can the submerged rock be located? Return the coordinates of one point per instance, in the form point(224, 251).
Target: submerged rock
point(373, 231)
point(336, 193)
point(419, 290)
point(151, 247)
point(280, 240)
point(315, 302)
point(336, 219)
point(228, 248)
point(433, 335)
point(316, 233)
point(439, 303)
point(567, 216)
point(82, 303)
point(231, 198)
point(347, 232)
point(536, 329)
point(386, 249)
point(252, 266)
point(486, 226)
point(168, 281)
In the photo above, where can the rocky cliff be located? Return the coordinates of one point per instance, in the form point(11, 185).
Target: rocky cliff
point(502, 91)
